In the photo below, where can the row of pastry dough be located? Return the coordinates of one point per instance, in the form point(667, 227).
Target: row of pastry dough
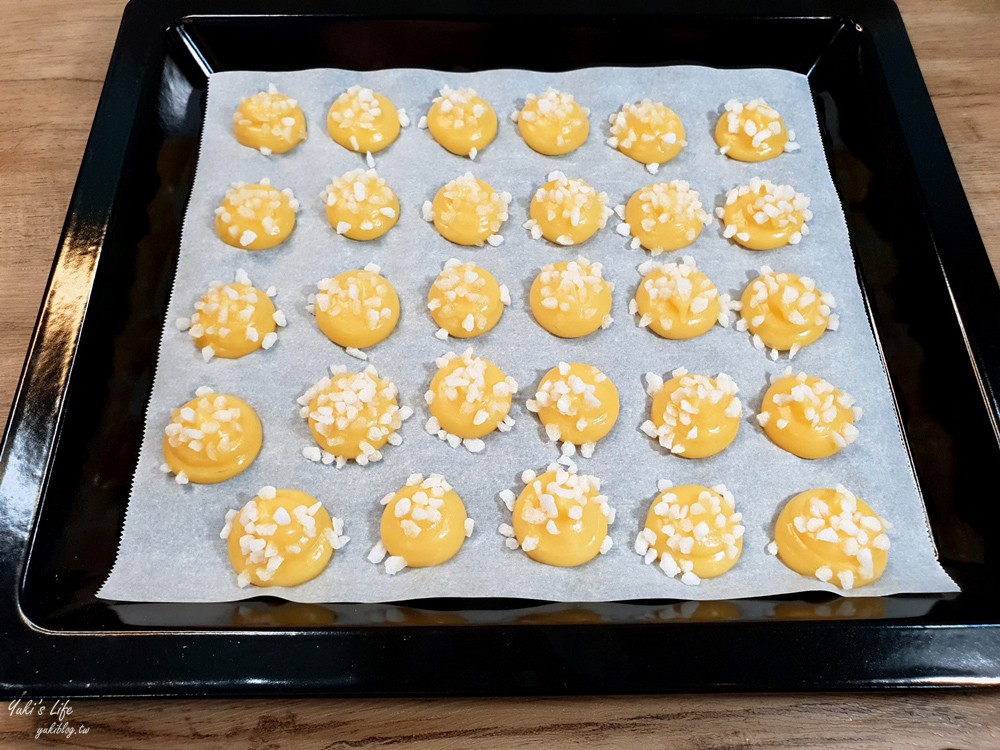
point(285, 537)
point(352, 416)
point(660, 217)
point(783, 312)
point(552, 123)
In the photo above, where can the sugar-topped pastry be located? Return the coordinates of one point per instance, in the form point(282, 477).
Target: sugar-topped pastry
point(469, 397)
point(694, 416)
point(763, 216)
point(784, 312)
point(677, 301)
point(753, 131)
point(424, 524)
point(351, 416)
point(211, 438)
point(356, 309)
point(364, 121)
point(283, 537)
point(807, 416)
point(560, 518)
point(577, 404)
point(468, 211)
point(832, 535)
point(461, 121)
point(663, 216)
point(360, 205)
point(649, 132)
point(465, 300)
point(571, 298)
point(552, 123)
point(692, 532)
point(567, 211)
point(233, 320)
point(270, 122)
point(256, 217)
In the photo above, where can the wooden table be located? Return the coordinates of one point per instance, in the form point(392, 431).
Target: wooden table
point(55, 56)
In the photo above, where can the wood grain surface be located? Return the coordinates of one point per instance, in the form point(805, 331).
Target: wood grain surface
point(54, 56)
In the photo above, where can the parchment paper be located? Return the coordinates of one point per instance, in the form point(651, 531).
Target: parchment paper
point(170, 548)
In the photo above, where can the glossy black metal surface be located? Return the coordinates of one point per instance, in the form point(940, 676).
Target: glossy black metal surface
point(74, 432)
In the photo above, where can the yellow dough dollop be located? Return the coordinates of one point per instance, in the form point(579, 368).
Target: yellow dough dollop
point(567, 211)
point(256, 217)
point(469, 397)
point(571, 299)
point(363, 121)
point(270, 122)
point(752, 132)
point(832, 535)
point(785, 312)
point(763, 216)
point(664, 216)
point(211, 438)
point(468, 211)
point(692, 532)
point(677, 301)
point(807, 416)
point(461, 121)
point(577, 404)
point(282, 537)
point(466, 300)
point(351, 416)
point(233, 320)
point(552, 123)
point(649, 132)
point(693, 416)
point(560, 518)
point(356, 309)
point(424, 524)
point(360, 205)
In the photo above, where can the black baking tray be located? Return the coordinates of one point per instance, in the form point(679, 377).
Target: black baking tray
point(76, 424)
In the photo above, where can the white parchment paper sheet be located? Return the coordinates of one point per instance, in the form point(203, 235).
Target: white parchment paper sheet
point(170, 547)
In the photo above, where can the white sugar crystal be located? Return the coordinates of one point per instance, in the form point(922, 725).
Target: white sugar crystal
point(394, 564)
